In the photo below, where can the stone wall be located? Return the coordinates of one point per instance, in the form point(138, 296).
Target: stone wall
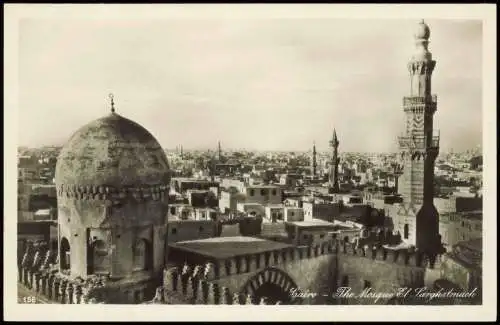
point(319, 269)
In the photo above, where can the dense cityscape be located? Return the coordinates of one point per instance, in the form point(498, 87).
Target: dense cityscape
point(197, 219)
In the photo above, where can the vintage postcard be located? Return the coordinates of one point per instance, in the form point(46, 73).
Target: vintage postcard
point(250, 162)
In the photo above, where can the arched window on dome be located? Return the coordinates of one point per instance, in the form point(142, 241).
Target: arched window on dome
point(143, 260)
point(64, 255)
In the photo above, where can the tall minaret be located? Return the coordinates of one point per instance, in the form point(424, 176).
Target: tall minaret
point(419, 148)
point(334, 164)
point(314, 164)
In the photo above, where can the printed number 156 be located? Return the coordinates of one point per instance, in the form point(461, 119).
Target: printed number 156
point(29, 300)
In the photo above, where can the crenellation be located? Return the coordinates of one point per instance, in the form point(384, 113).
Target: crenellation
point(44, 283)
point(55, 288)
point(50, 285)
point(225, 297)
point(69, 293)
point(267, 258)
point(232, 264)
point(77, 294)
point(220, 269)
point(211, 293)
point(261, 258)
point(284, 255)
point(252, 263)
point(62, 291)
point(200, 292)
point(243, 264)
point(276, 257)
point(189, 292)
point(236, 299)
point(171, 278)
point(37, 281)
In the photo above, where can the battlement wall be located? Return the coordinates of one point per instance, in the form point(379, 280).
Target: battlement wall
point(253, 262)
point(218, 282)
point(311, 267)
point(38, 271)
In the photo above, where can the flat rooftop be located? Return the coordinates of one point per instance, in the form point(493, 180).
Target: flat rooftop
point(472, 244)
point(228, 247)
point(312, 223)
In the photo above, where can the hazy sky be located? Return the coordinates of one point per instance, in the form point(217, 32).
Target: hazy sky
point(257, 84)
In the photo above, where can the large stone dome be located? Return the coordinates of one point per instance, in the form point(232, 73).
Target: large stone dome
point(112, 151)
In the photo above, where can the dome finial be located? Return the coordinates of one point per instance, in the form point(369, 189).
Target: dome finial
point(112, 103)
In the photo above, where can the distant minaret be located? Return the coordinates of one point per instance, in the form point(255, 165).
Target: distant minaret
point(219, 152)
point(182, 153)
point(314, 162)
point(419, 146)
point(334, 164)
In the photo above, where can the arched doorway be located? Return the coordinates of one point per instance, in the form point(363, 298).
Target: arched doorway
point(272, 284)
point(64, 255)
point(143, 255)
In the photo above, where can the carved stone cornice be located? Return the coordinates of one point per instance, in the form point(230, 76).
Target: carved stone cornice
point(103, 192)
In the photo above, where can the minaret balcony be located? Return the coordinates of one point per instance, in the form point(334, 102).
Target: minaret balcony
point(412, 102)
point(419, 141)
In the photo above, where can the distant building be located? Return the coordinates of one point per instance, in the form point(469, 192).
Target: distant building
point(291, 180)
point(463, 267)
point(307, 233)
point(275, 213)
point(456, 227)
point(253, 209)
point(293, 214)
point(182, 185)
point(263, 194)
point(181, 230)
point(323, 211)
